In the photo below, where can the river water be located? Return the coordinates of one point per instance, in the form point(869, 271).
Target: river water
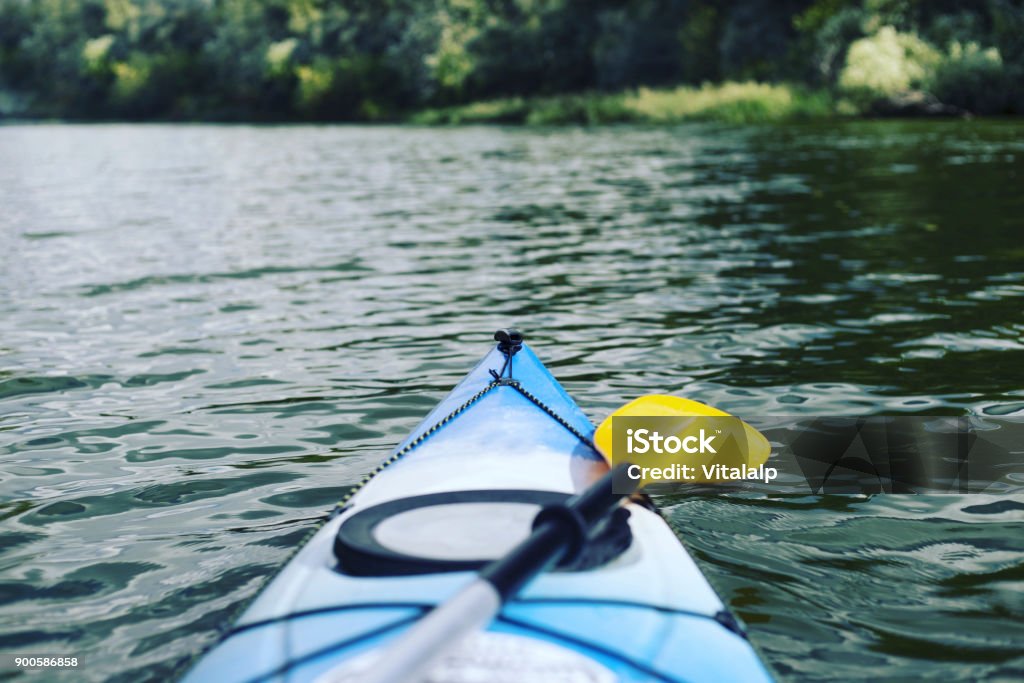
point(208, 333)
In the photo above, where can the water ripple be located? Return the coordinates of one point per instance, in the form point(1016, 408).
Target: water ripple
point(208, 334)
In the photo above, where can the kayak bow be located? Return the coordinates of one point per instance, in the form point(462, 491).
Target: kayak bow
point(461, 491)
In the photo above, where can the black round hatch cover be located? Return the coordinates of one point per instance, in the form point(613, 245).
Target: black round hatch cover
point(456, 531)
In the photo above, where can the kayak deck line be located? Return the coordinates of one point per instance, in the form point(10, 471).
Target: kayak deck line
point(293, 663)
point(724, 618)
point(288, 666)
point(501, 618)
point(500, 380)
point(411, 446)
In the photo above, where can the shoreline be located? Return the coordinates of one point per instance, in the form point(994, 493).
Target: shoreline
point(730, 102)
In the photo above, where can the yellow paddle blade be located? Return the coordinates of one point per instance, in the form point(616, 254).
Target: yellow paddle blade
point(710, 444)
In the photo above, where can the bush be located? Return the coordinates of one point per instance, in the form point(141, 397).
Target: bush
point(96, 54)
point(729, 102)
point(541, 111)
point(315, 81)
point(509, 110)
point(831, 42)
point(279, 57)
point(886, 64)
point(973, 79)
point(585, 109)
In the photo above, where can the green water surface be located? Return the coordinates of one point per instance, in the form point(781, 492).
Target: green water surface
point(208, 333)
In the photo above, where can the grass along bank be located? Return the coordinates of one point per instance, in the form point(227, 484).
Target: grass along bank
point(731, 102)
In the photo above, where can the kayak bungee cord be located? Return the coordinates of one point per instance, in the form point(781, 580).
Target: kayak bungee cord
point(510, 341)
point(500, 618)
point(515, 384)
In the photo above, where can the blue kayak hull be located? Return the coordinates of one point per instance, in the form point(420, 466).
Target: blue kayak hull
point(647, 615)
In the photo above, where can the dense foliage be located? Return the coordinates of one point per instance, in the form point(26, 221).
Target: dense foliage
point(379, 59)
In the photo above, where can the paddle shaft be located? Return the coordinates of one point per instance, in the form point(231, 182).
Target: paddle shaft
point(476, 605)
